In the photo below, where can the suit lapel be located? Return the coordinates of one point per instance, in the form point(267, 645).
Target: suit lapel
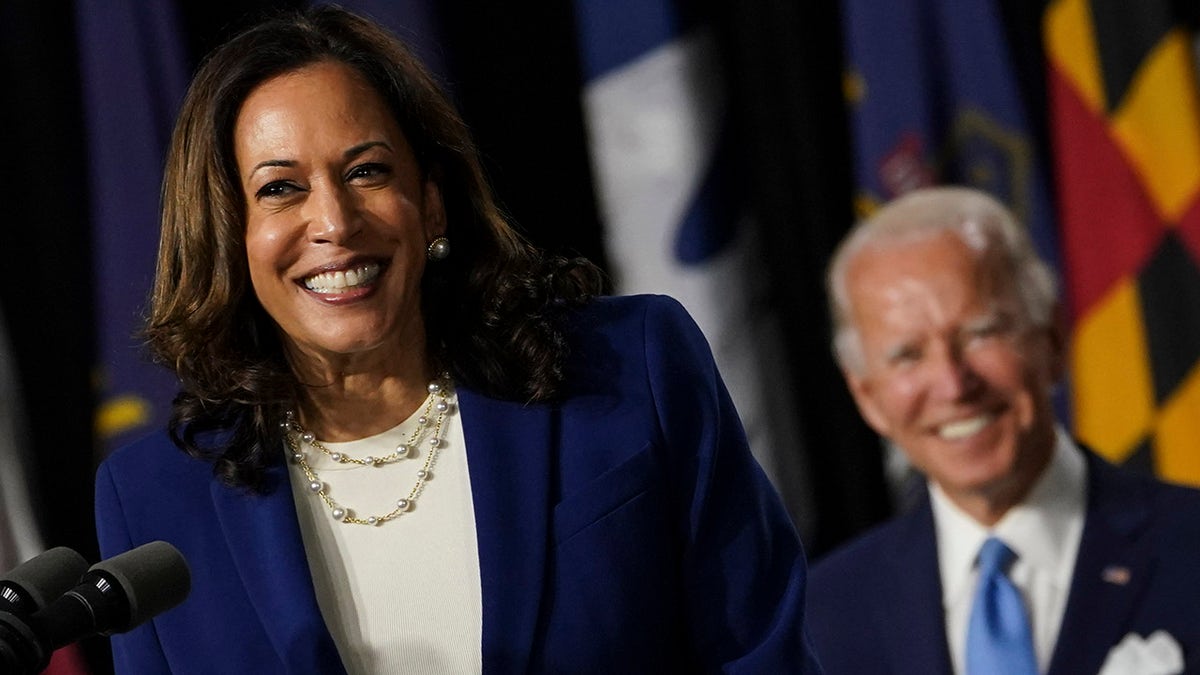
point(912, 621)
point(509, 459)
point(1113, 565)
point(263, 535)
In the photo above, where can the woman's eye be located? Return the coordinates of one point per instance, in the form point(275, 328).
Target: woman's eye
point(368, 172)
point(275, 190)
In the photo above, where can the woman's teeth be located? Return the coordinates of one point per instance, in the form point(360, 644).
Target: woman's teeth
point(336, 282)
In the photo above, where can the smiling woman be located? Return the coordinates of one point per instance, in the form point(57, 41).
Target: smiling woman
point(338, 219)
point(352, 140)
point(412, 443)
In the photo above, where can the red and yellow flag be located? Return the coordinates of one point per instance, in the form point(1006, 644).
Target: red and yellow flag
point(1125, 119)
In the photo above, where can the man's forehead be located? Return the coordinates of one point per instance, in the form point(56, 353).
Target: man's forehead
point(901, 287)
point(942, 256)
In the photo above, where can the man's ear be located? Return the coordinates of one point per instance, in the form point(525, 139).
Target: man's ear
point(434, 210)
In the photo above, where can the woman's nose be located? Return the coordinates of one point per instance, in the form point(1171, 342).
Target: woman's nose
point(331, 216)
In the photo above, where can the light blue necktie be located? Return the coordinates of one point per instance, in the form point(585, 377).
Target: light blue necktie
point(999, 641)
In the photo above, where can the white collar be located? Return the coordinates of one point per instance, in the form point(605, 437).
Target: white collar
point(1042, 529)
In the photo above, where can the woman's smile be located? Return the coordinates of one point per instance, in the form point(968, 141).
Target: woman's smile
point(338, 215)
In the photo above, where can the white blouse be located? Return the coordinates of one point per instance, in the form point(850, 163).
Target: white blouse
point(404, 595)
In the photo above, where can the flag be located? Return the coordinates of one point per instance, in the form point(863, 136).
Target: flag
point(414, 21)
point(134, 70)
point(1126, 129)
point(935, 98)
point(655, 113)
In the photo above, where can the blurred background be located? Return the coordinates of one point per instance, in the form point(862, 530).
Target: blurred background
point(713, 151)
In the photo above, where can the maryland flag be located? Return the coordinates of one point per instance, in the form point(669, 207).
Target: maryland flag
point(1125, 119)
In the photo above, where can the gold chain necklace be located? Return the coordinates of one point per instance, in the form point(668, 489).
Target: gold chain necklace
point(439, 402)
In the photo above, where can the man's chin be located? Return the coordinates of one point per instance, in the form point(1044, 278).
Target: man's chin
point(982, 480)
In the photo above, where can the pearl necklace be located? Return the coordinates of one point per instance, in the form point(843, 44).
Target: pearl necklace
point(439, 401)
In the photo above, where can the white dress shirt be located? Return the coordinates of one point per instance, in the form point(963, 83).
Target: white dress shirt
point(1044, 530)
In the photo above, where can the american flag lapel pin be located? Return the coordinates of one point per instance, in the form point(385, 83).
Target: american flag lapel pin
point(1116, 574)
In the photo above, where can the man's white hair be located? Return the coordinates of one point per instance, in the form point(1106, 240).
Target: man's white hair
point(983, 224)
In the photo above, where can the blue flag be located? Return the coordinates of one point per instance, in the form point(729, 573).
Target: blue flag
point(134, 72)
point(413, 21)
point(934, 98)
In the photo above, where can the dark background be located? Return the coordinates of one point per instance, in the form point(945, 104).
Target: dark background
point(514, 71)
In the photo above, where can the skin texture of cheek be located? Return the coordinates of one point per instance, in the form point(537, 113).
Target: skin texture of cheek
point(896, 404)
point(868, 407)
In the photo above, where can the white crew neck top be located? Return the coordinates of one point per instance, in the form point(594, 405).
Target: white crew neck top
point(402, 596)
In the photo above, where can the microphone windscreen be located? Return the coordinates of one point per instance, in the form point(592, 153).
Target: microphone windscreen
point(48, 575)
point(155, 577)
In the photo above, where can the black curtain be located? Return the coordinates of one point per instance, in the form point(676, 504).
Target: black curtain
point(515, 76)
point(46, 296)
point(47, 293)
point(784, 60)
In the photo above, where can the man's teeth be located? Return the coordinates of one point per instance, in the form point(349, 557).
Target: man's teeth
point(334, 282)
point(964, 428)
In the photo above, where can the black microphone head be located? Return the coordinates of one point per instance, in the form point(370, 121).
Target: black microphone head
point(45, 577)
point(154, 577)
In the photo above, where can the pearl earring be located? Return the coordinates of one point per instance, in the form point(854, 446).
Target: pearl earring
point(438, 249)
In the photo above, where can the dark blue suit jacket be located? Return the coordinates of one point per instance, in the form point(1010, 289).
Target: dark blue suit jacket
point(875, 606)
point(625, 530)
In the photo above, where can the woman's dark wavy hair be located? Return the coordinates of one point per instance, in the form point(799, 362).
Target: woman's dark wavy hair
point(492, 309)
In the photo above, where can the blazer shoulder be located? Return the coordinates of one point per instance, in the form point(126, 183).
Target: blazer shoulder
point(862, 557)
point(615, 313)
point(1123, 495)
point(652, 330)
point(1176, 519)
point(151, 449)
point(153, 464)
point(902, 547)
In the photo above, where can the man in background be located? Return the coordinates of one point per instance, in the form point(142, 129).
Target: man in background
point(1027, 553)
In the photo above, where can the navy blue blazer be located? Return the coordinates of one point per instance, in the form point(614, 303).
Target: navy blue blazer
point(627, 529)
point(875, 605)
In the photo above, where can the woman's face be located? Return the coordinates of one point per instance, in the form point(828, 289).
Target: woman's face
point(338, 216)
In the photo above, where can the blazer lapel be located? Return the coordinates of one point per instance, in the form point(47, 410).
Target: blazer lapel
point(509, 458)
point(912, 620)
point(264, 540)
point(1111, 569)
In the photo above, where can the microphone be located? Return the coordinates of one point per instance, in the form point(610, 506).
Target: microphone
point(113, 596)
point(31, 585)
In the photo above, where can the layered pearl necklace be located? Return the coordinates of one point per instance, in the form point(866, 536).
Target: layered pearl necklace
point(429, 432)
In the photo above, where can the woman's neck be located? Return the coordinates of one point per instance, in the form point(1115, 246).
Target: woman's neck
point(345, 399)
